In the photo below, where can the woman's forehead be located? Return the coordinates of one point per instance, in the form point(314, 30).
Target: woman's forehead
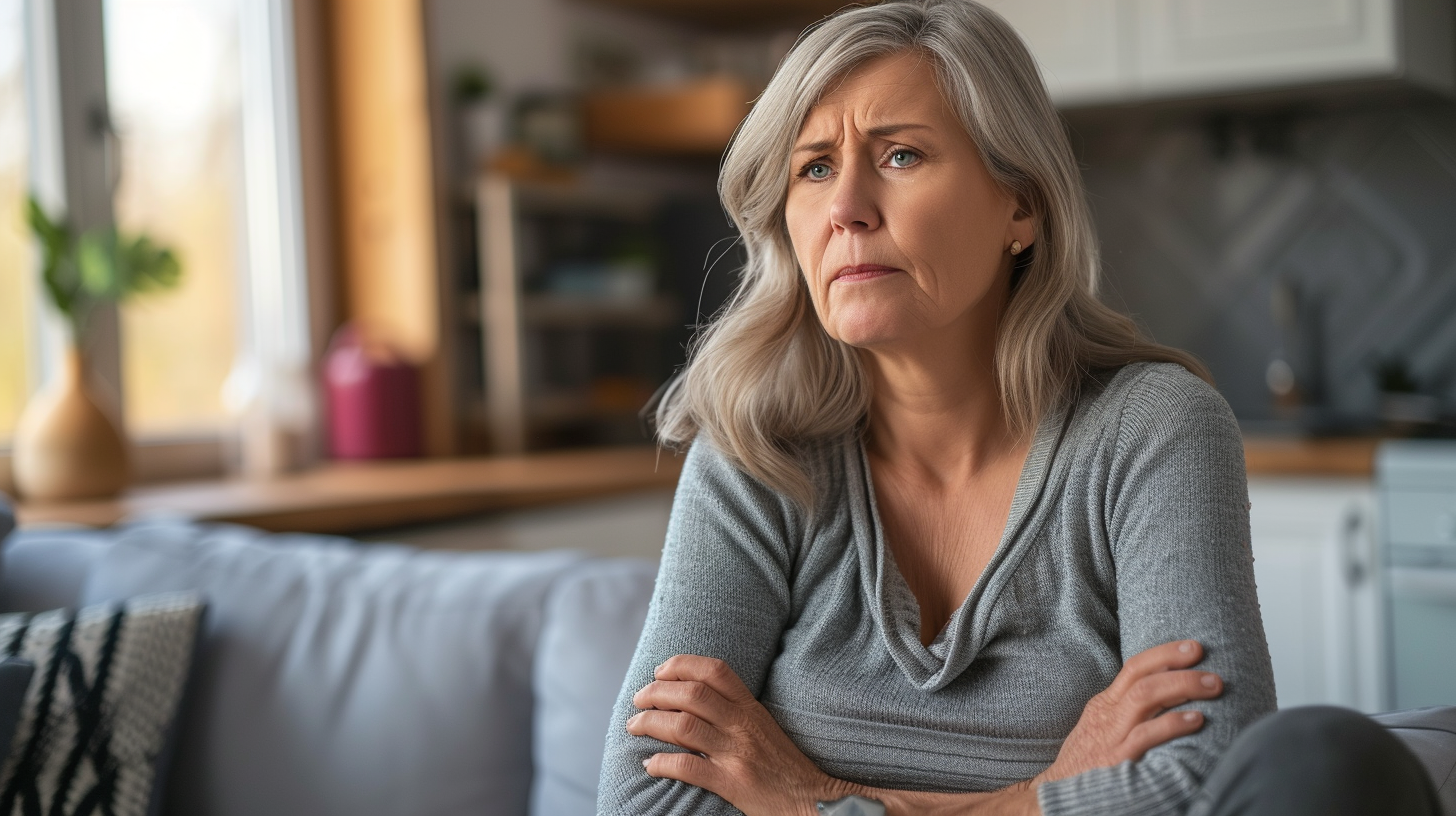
point(894, 89)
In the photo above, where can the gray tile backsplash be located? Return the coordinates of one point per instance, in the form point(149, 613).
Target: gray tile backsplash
point(1348, 218)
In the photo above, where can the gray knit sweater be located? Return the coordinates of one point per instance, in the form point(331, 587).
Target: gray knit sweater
point(1129, 528)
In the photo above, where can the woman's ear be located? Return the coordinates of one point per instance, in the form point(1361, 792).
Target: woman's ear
point(1023, 224)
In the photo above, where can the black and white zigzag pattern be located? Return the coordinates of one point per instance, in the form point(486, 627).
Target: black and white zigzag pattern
point(107, 684)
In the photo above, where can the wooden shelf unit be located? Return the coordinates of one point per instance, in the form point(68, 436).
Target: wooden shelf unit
point(513, 320)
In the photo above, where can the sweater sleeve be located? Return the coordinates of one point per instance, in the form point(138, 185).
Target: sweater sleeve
point(1177, 518)
point(722, 591)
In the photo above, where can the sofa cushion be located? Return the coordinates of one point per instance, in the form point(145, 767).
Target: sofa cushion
point(47, 569)
point(93, 732)
point(336, 678)
point(1430, 733)
point(594, 617)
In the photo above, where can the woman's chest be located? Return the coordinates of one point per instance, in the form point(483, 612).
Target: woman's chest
point(1016, 666)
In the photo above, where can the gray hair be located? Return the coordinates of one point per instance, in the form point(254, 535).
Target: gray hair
point(764, 378)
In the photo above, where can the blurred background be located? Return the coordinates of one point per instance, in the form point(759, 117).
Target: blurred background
point(493, 222)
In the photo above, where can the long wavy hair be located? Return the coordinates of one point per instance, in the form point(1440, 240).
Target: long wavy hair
point(764, 378)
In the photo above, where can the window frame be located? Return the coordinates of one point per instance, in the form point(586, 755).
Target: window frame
point(73, 149)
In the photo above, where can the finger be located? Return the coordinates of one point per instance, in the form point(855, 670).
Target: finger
point(711, 671)
point(694, 697)
point(1159, 730)
point(694, 770)
point(1160, 692)
point(1179, 654)
point(677, 728)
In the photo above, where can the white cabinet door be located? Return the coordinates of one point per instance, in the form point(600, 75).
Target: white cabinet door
point(1079, 45)
point(1193, 46)
point(1315, 564)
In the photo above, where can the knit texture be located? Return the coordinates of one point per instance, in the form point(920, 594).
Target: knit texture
point(1129, 528)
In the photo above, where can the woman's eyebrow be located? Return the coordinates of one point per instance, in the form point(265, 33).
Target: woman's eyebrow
point(878, 132)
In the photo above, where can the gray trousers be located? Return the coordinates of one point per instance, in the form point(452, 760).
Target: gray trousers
point(1317, 760)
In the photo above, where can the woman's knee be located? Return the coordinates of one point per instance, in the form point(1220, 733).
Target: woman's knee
point(1321, 735)
point(1319, 759)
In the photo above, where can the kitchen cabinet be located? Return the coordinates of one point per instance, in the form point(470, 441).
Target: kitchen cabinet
point(1079, 45)
point(1417, 480)
point(1314, 542)
point(1120, 51)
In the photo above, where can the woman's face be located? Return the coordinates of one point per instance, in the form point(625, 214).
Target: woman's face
point(899, 229)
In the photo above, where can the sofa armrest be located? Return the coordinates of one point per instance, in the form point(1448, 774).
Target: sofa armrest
point(594, 617)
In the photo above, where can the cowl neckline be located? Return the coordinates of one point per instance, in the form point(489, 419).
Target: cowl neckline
point(895, 608)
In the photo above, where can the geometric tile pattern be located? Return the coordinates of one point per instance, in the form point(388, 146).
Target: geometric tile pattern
point(1207, 224)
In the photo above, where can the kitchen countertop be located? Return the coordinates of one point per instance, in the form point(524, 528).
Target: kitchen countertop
point(355, 497)
point(1352, 457)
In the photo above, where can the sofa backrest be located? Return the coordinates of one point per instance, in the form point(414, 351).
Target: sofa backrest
point(47, 569)
point(338, 678)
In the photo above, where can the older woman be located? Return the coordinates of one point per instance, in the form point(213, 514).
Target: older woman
point(947, 524)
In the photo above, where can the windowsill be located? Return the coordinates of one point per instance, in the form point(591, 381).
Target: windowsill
point(355, 497)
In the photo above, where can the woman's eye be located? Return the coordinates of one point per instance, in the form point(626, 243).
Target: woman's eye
point(817, 171)
point(903, 158)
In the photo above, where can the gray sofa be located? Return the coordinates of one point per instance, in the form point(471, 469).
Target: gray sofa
point(367, 680)
point(379, 680)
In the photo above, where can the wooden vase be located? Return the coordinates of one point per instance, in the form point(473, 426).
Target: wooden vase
point(66, 448)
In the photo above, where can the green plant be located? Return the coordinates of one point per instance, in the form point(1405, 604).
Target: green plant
point(99, 266)
point(473, 84)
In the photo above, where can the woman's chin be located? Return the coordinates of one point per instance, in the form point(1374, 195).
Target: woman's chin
point(868, 333)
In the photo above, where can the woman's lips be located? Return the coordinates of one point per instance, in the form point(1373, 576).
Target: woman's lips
point(863, 272)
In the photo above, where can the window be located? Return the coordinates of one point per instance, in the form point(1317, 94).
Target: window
point(199, 96)
point(16, 268)
point(173, 83)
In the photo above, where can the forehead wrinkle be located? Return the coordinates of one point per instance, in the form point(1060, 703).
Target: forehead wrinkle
point(870, 122)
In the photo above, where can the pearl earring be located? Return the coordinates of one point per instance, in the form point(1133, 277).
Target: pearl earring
point(1015, 247)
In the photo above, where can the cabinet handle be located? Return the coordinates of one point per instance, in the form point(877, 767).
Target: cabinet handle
point(1356, 570)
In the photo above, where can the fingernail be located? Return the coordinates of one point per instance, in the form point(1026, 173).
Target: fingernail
point(634, 718)
point(1186, 646)
point(645, 761)
point(1210, 681)
point(1190, 716)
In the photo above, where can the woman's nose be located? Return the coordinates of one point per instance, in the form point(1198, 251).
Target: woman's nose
point(854, 208)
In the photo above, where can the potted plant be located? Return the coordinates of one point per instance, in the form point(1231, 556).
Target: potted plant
point(66, 447)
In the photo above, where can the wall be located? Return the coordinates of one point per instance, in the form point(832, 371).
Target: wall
point(1202, 219)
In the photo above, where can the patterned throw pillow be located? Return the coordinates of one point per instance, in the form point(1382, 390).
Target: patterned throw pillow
point(95, 725)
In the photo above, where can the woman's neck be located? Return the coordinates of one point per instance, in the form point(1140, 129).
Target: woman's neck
point(936, 407)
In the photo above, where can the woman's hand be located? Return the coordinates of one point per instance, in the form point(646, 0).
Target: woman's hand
point(1132, 716)
point(740, 752)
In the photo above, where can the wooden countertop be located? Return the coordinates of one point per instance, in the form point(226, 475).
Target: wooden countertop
point(347, 498)
point(1295, 456)
point(350, 498)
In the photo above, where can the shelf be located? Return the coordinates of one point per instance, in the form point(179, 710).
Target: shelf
point(566, 312)
point(579, 200)
point(694, 118)
point(560, 312)
point(568, 408)
point(571, 199)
